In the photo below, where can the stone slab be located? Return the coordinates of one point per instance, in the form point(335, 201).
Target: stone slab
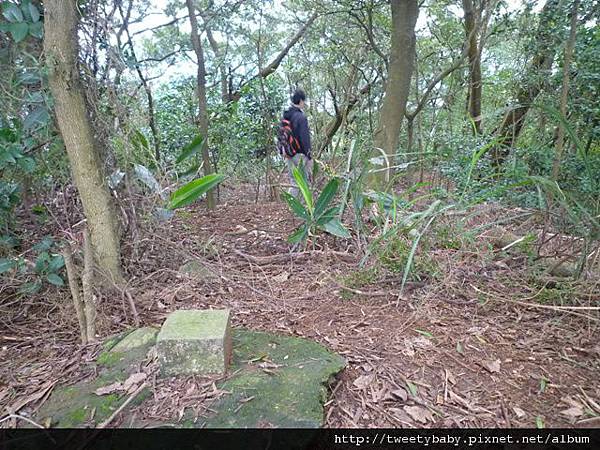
point(194, 342)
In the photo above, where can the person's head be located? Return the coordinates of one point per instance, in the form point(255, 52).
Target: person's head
point(299, 98)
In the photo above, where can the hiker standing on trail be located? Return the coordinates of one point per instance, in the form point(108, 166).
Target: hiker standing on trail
point(294, 139)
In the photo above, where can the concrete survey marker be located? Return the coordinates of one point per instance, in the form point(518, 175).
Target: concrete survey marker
point(194, 342)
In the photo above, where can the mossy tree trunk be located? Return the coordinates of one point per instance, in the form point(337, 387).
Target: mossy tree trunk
point(61, 49)
point(401, 65)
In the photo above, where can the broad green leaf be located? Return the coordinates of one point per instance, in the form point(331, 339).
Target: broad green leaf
point(7, 264)
point(36, 30)
point(295, 206)
point(33, 12)
point(57, 262)
point(325, 198)
point(11, 12)
point(8, 241)
point(44, 244)
point(303, 185)
point(41, 263)
point(27, 164)
point(55, 280)
point(327, 216)
point(299, 235)
point(336, 228)
point(30, 77)
point(191, 149)
point(36, 118)
point(30, 288)
point(19, 31)
point(194, 189)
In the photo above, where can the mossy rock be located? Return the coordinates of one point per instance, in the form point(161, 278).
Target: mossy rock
point(277, 381)
point(126, 350)
point(78, 406)
point(288, 391)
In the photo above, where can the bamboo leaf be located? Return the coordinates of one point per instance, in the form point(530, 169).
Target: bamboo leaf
point(192, 148)
point(299, 235)
point(303, 185)
point(336, 228)
point(295, 206)
point(194, 189)
point(326, 197)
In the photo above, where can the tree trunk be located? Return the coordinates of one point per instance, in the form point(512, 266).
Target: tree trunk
point(474, 105)
point(532, 84)
point(202, 103)
point(225, 96)
point(565, 90)
point(401, 63)
point(61, 49)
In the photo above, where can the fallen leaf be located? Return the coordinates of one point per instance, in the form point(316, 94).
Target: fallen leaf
point(133, 381)
point(363, 381)
point(492, 366)
point(419, 413)
point(519, 412)
point(401, 394)
point(573, 412)
point(281, 278)
point(116, 386)
point(16, 406)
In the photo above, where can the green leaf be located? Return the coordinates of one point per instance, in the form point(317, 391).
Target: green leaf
point(336, 228)
point(295, 206)
point(139, 140)
point(424, 333)
point(326, 197)
point(33, 12)
point(36, 118)
point(36, 30)
point(194, 189)
point(327, 216)
point(55, 280)
point(44, 244)
point(30, 77)
point(19, 31)
point(539, 422)
point(412, 388)
point(41, 263)
point(7, 264)
point(57, 262)
point(303, 185)
point(192, 148)
point(299, 235)
point(30, 288)
point(8, 241)
point(11, 12)
point(27, 164)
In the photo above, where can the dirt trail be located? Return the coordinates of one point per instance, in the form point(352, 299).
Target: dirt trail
point(446, 354)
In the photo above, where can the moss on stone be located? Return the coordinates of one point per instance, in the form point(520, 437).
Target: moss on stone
point(291, 395)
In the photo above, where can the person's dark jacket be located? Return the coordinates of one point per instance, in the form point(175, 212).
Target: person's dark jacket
point(299, 128)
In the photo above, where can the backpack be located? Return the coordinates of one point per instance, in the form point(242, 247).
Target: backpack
point(287, 143)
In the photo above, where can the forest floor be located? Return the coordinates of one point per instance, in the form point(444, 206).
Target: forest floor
point(474, 346)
